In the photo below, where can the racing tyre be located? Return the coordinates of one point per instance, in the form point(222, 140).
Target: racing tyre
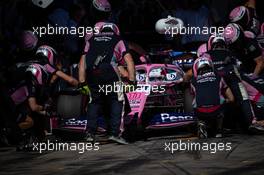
point(69, 106)
point(131, 129)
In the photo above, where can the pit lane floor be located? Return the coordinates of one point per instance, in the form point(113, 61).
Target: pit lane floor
point(142, 157)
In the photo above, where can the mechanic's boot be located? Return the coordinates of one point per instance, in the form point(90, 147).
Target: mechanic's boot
point(257, 127)
point(202, 130)
point(26, 143)
point(89, 137)
point(219, 130)
point(119, 140)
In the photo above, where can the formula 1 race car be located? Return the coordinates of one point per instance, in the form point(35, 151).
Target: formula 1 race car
point(161, 100)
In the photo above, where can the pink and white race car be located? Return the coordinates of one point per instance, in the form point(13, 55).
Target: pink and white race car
point(161, 100)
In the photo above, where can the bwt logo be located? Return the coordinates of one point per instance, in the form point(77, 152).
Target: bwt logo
point(165, 117)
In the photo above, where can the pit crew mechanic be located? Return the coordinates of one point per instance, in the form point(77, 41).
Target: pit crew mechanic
point(105, 72)
point(225, 65)
point(249, 53)
point(245, 49)
point(103, 53)
point(209, 111)
point(30, 81)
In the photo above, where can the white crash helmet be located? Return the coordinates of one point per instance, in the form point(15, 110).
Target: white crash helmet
point(202, 62)
point(214, 40)
point(169, 23)
point(28, 41)
point(101, 26)
point(102, 5)
point(240, 15)
point(42, 3)
point(48, 52)
point(233, 33)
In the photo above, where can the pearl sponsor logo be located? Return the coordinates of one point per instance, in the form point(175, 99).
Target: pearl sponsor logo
point(166, 117)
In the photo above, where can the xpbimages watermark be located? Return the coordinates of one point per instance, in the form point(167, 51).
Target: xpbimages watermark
point(120, 87)
point(60, 30)
point(194, 30)
point(188, 145)
point(81, 147)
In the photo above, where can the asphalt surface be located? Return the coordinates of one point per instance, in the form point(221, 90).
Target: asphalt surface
point(143, 157)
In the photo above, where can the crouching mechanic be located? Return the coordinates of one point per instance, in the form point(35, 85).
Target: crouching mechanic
point(29, 89)
point(247, 50)
point(103, 53)
point(225, 64)
point(209, 90)
point(26, 95)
